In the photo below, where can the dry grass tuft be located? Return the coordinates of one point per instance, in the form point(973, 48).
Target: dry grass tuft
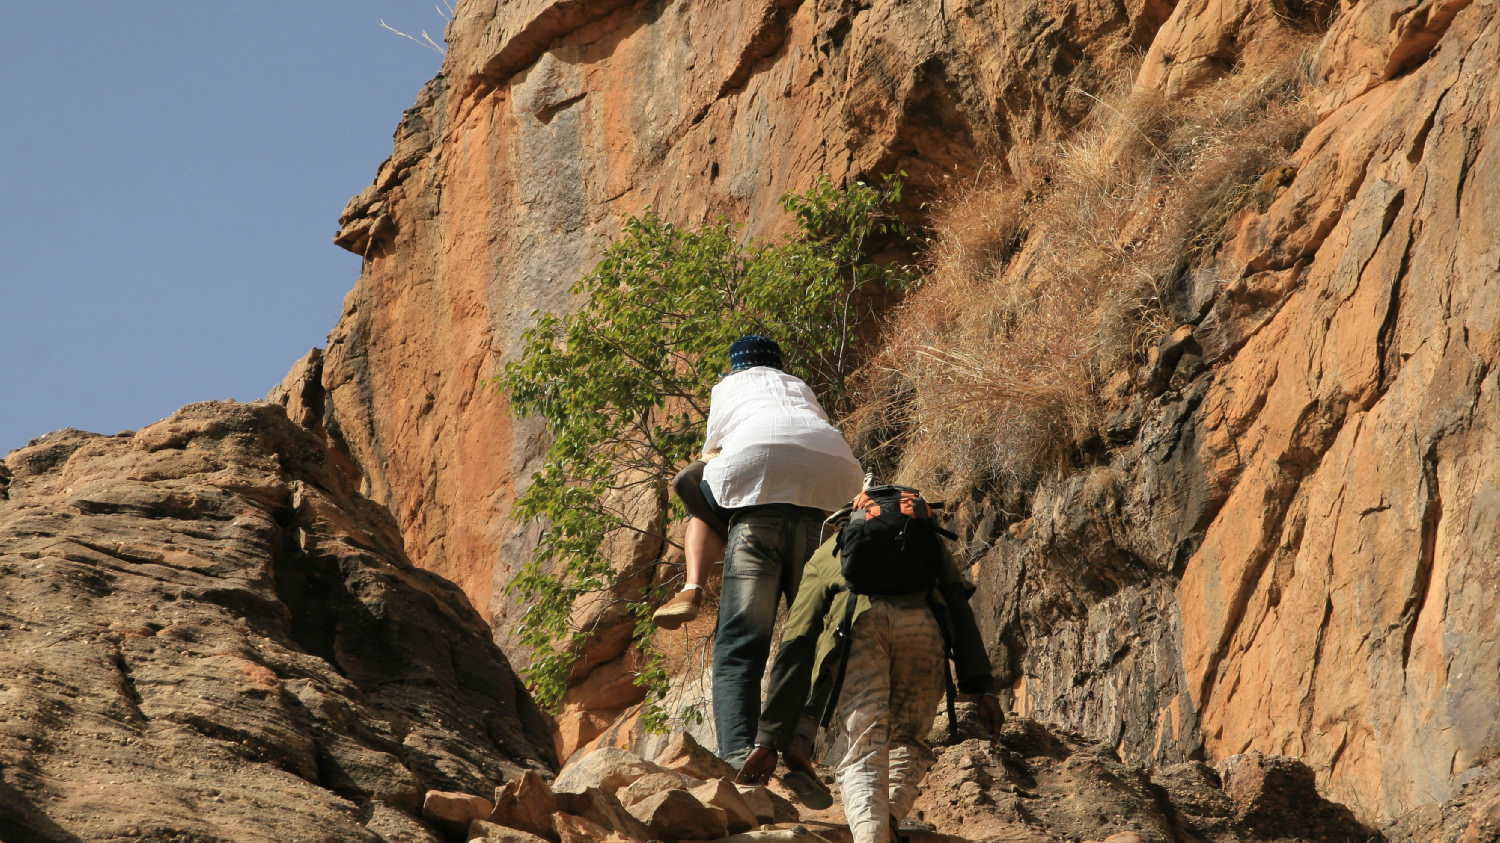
point(1047, 280)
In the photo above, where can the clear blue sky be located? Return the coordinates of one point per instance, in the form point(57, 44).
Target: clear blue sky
point(171, 176)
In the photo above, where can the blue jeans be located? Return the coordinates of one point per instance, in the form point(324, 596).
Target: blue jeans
point(768, 546)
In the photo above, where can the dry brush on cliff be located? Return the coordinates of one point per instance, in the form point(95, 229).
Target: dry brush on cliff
point(1050, 275)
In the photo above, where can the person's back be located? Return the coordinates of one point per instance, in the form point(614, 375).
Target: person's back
point(775, 468)
point(893, 647)
point(771, 442)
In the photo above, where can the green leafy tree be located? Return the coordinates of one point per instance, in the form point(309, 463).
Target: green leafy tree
point(623, 383)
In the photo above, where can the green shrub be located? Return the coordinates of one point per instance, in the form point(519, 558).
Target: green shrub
point(623, 383)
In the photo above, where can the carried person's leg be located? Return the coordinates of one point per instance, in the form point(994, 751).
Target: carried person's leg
point(688, 484)
point(702, 546)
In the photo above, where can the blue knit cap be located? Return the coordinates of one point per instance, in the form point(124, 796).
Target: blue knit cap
point(752, 350)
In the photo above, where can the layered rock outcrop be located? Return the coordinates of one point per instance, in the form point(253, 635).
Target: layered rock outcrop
point(206, 635)
point(1291, 556)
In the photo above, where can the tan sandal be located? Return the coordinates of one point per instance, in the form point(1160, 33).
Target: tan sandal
point(683, 607)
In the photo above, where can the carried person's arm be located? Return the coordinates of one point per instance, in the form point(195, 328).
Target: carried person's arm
point(720, 407)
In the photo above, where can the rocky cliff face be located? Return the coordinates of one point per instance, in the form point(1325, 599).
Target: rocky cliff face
point(1292, 555)
point(1288, 551)
point(205, 635)
point(1285, 545)
point(552, 120)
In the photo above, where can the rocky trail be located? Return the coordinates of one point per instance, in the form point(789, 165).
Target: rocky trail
point(1035, 785)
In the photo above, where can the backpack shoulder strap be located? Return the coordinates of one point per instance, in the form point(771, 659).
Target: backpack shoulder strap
point(950, 688)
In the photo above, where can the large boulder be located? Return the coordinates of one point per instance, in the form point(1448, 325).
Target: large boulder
point(207, 633)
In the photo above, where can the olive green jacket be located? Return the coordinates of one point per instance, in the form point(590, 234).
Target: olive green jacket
point(810, 644)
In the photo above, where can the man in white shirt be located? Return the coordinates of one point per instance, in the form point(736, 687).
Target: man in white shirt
point(776, 467)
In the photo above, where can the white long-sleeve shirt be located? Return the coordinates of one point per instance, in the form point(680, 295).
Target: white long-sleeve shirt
point(769, 441)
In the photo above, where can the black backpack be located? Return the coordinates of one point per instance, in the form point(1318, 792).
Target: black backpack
point(891, 543)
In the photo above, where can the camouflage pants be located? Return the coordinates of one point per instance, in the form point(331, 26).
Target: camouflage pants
point(891, 690)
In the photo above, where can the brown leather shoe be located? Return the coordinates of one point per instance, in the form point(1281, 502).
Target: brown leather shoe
point(683, 607)
point(802, 779)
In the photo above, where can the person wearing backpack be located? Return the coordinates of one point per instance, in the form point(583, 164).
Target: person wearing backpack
point(878, 636)
point(775, 467)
